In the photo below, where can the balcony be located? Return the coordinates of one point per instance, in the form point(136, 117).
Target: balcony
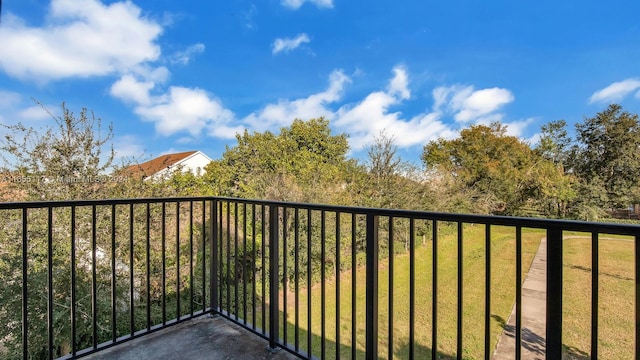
point(95, 278)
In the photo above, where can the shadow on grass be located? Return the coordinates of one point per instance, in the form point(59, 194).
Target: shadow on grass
point(421, 352)
point(531, 341)
point(587, 269)
point(535, 343)
point(570, 352)
point(345, 351)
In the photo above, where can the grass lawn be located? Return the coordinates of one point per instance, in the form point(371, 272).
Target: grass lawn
point(502, 297)
point(616, 299)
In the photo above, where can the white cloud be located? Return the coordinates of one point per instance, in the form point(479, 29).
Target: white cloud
point(533, 140)
point(35, 112)
point(399, 85)
point(156, 74)
point(194, 111)
point(79, 39)
point(366, 119)
point(517, 128)
point(440, 97)
point(288, 44)
point(189, 110)
point(128, 147)
point(471, 105)
point(14, 108)
point(513, 128)
point(183, 57)
point(616, 91)
point(185, 140)
point(296, 4)
point(130, 90)
point(482, 102)
point(284, 111)
point(9, 99)
point(178, 110)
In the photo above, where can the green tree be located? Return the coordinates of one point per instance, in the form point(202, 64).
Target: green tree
point(555, 143)
point(68, 161)
point(557, 189)
point(608, 155)
point(384, 168)
point(485, 162)
point(65, 161)
point(390, 181)
point(393, 183)
point(304, 162)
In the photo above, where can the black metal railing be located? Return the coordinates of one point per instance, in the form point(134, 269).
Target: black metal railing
point(318, 281)
point(91, 274)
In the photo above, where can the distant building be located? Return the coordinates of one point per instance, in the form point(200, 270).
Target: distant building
point(163, 166)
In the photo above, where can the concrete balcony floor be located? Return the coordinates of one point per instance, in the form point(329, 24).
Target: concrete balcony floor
point(202, 338)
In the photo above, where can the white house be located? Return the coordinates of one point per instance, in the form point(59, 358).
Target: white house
point(163, 166)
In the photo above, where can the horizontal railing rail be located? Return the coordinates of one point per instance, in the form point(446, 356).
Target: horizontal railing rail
point(319, 281)
point(539, 223)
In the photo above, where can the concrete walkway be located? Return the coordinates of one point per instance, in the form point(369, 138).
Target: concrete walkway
point(201, 338)
point(533, 314)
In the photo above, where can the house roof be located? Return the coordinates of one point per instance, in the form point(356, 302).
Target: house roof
point(158, 164)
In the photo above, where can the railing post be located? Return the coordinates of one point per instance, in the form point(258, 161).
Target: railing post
point(372, 287)
point(636, 249)
point(213, 271)
point(554, 294)
point(25, 284)
point(273, 276)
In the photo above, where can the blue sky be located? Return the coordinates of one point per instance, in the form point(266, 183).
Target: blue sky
point(187, 75)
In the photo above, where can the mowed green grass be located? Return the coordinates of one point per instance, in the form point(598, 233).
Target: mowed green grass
point(502, 298)
point(615, 296)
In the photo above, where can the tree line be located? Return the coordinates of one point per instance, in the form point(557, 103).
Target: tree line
point(483, 170)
